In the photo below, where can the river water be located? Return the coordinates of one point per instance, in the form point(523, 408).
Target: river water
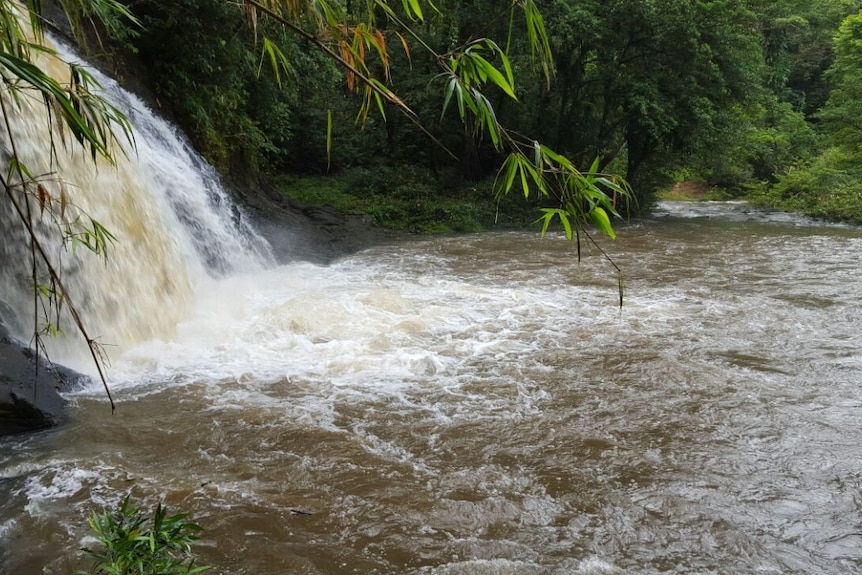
point(480, 405)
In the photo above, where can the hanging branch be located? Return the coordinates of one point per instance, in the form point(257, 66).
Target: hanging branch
point(371, 84)
point(467, 71)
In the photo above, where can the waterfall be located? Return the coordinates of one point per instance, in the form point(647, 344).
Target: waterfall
point(175, 226)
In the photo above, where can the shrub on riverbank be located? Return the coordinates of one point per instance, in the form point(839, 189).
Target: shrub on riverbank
point(411, 199)
point(829, 187)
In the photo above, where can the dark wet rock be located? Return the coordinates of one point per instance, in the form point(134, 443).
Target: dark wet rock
point(30, 388)
point(299, 231)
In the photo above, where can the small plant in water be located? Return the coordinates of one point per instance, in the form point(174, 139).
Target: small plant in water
point(137, 545)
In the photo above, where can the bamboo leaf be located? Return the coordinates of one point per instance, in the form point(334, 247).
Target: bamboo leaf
point(16, 165)
point(488, 118)
point(511, 166)
point(536, 176)
point(382, 90)
point(380, 105)
point(603, 222)
point(504, 58)
point(469, 101)
point(550, 213)
point(43, 198)
point(594, 168)
point(546, 219)
point(379, 42)
point(406, 48)
point(537, 36)
point(567, 225)
point(278, 61)
point(507, 68)
point(561, 161)
point(490, 72)
point(49, 87)
point(416, 8)
point(522, 168)
point(451, 87)
point(384, 5)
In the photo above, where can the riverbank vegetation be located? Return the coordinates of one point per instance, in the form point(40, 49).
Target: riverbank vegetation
point(410, 199)
point(745, 96)
point(828, 183)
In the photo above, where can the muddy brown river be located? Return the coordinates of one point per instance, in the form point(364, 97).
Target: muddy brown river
point(480, 405)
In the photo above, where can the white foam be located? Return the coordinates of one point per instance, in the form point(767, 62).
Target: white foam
point(598, 566)
point(7, 527)
point(358, 324)
point(172, 220)
point(57, 483)
point(489, 567)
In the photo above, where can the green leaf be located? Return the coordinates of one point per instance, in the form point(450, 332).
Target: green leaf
point(522, 168)
point(561, 161)
point(451, 87)
point(511, 167)
point(567, 225)
point(278, 61)
point(381, 89)
point(16, 165)
point(506, 174)
point(603, 222)
point(549, 214)
point(541, 185)
point(52, 91)
point(594, 168)
point(537, 36)
point(494, 75)
point(416, 8)
point(546, 219)
point(488, 118)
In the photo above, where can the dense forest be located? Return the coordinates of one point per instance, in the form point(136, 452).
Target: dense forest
point(746, 97)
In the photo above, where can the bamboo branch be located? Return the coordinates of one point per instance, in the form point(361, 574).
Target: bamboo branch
point(365, 79)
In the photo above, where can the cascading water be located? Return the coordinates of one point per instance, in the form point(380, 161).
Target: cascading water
point(174, 226)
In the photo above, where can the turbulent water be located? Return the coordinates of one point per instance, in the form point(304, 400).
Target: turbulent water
point(480, 405)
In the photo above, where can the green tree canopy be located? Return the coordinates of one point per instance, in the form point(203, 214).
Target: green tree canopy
point(841, 117)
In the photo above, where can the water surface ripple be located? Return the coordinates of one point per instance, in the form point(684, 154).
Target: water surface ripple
point(479, 405)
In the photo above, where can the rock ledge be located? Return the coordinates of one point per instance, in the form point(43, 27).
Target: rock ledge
point(30, 389)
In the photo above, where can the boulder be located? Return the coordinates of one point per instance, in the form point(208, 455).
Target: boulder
point(30, 388)
point(305, 232)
